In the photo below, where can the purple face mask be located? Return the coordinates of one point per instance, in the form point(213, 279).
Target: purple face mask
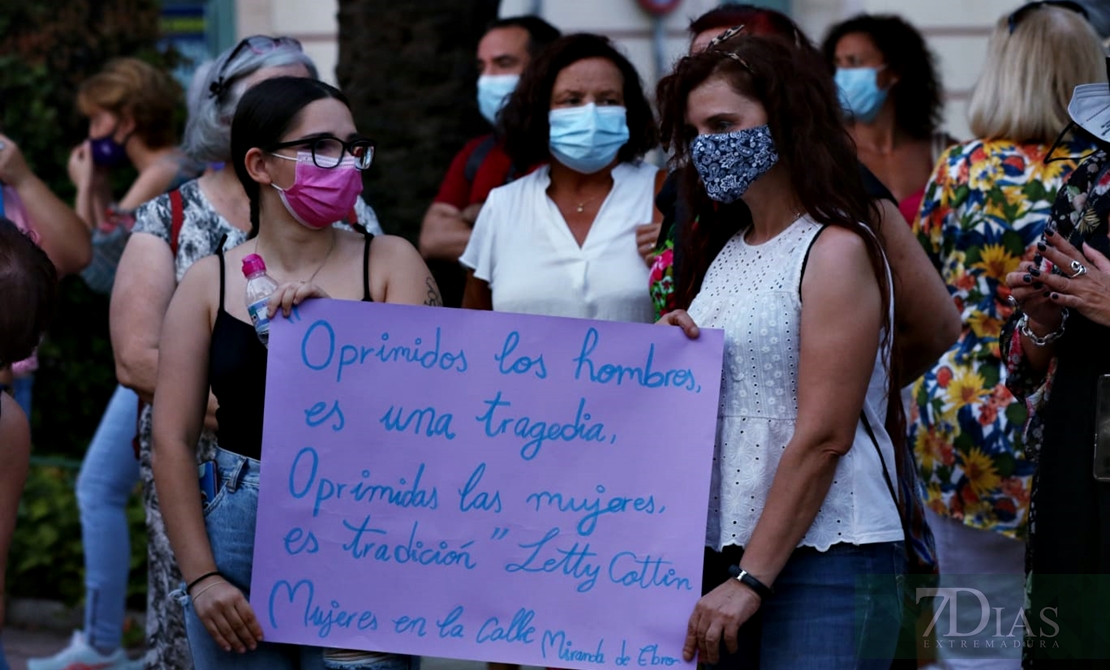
point(321, 196)
point(107, 152)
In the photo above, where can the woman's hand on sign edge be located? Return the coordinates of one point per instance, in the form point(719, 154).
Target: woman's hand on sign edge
point(719, 615)
point(290, 294)
point(680, 318)
point(228, 617)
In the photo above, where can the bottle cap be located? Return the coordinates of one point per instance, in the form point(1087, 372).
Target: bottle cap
point(253, 264)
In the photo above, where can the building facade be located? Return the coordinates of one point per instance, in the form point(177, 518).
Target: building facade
point(956, 30)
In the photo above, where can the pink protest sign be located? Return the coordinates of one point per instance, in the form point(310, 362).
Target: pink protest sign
point(484, 486)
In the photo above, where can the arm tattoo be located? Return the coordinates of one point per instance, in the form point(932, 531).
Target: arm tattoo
point(433, 299)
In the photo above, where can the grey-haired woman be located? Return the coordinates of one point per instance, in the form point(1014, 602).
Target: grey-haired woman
point(171, 233)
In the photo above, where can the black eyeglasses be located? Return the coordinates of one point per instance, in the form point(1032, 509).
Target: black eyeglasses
point(258, 44)
point(1022, 11)
point(328, 151)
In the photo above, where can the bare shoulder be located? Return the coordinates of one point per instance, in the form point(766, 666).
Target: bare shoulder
point(838, 244)
point(389, 246)
point(202, 277)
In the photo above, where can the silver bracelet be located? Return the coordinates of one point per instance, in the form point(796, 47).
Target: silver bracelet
point(1023, 327)
point(207, 588)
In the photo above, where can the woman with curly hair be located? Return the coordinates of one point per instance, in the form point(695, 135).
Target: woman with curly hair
point(561, 241)
point(890, 89)
point(802, 504)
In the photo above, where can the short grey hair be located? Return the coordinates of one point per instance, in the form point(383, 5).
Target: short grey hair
point(211, 103)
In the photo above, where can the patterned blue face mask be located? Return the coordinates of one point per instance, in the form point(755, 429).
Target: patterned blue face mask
point(729, 163)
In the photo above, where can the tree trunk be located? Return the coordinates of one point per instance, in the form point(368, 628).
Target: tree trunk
point(408, 69)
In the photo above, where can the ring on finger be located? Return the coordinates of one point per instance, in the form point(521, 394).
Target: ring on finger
point(1014, 302)
point(1078, 268)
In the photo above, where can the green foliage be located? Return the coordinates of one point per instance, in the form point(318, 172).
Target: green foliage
point(46, 558)
point(47, 48)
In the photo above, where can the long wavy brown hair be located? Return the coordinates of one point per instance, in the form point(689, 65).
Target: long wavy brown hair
point(814, 148)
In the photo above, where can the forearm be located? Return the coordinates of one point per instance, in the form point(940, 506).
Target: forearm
point(1038, 358)
point(138, 371)
point(444, 236)
point(800, 487)
point(90, 206)
point(175, 480)
point(62, 234)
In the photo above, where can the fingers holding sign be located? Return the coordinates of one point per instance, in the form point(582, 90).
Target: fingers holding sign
point(680, 318)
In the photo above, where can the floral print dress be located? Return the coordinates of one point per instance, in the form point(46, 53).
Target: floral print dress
point(983, 212)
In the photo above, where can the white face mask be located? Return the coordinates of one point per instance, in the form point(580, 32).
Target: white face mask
point(1090, 109)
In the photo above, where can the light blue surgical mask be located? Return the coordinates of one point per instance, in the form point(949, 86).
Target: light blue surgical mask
point(493, 92)
point(587, 138)
point(860, 95)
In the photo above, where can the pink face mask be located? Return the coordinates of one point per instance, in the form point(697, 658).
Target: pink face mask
point(319, 197)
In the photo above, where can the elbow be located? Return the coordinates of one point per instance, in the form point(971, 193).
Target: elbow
point(130, 376)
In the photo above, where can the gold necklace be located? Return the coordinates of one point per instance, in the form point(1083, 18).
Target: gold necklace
point(324, 262)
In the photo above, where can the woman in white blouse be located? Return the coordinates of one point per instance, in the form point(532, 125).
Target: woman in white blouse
point(561, 241)
point(801, 515)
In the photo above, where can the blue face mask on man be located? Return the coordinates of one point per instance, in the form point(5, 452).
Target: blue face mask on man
point(587, 138)
point(493, 92)
point(860, 95)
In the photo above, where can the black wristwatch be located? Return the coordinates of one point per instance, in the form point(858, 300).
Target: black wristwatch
point(744, 577)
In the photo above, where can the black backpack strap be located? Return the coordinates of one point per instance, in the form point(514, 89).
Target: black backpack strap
point(477, 157)
point(882, 462)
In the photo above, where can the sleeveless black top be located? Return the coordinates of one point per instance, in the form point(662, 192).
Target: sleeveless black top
point(237, 372)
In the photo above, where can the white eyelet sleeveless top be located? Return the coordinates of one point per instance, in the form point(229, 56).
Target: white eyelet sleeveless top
point(753, 293)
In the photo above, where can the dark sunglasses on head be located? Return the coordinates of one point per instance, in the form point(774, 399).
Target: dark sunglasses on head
point(258, 44)
point(1022, 11)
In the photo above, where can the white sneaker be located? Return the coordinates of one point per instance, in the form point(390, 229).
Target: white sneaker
point(80, 656)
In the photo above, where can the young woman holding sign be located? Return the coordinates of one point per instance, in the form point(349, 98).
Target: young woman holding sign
point(294, 146)
point(799, 508)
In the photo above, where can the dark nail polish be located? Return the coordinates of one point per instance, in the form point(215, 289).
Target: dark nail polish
point(1037, 259)
point(1054, 296)
point(1027, 279)
point(1035, 272)
point(1041, 246)
point(1049, 232)
point(1038, 285)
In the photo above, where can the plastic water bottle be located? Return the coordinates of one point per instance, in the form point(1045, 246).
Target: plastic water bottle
point(259, 288)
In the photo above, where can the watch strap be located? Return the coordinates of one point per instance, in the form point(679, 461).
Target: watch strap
point(744, 577)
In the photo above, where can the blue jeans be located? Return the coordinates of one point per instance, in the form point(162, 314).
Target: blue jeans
point(107, 479)
point(3, 661)
point(230, 520)
point(822, 615)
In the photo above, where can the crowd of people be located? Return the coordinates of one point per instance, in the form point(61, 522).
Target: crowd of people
point(912, 381)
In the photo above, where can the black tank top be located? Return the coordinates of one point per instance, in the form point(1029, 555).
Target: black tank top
point(237, 372)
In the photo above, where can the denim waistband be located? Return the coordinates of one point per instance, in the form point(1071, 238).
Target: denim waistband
point(237, 470)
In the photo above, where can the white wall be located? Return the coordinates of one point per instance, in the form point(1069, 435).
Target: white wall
point(956, 30)
point(312, 22)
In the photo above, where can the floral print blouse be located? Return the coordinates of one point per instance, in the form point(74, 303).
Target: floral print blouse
point(984, 210)
point(1083, 206)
